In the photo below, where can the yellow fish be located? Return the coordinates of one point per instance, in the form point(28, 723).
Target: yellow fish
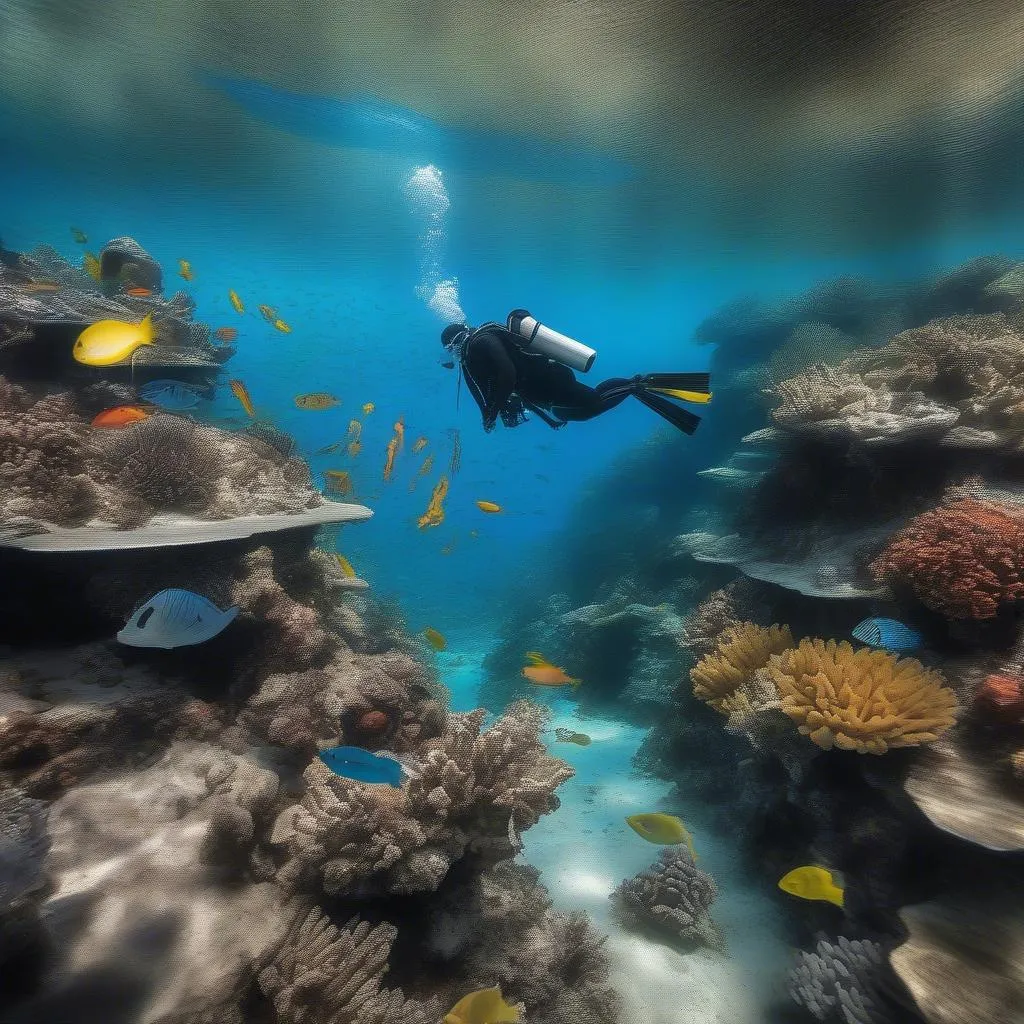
point(346, 567)
point(236, 301)
point(488, 506)
point(368, 407)
point(541, 672)
point(400, 432)
point(354, 448)
point(812, 883)
point(435, 639)
point(389, 462)
point(338, 481)
point(107, 342)
point(269, 313)
point(434, 514)
point(485, 1006)
point(185, 269)
point(421, 443)
point(79, 236)
point(282, 327)
point(581, 739)
point(663, 829)
point(428, 465)
point(317, 400)
point(241, 392)
point(355, 429)
point(92, 266)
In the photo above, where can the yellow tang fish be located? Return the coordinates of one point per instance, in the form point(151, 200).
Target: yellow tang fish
point(354, 448)
point(421, 443)
point(435, 639)
point(346, 567)
point(338, 481)
point(241, 392)
point(236, 301)
point(108, 342)
point(812, 883)
point(484, 1006)
point(581, 739)
point(355, 429)
point(91, 266)
point(282, 327)
point(488, 506)
point(269, 313)
point(368, 407)
point(663, 829)
point(79, 236)
point(541, 672)
point(317, 400)
point(389, 462)
point(185, 269)
point(434, 514)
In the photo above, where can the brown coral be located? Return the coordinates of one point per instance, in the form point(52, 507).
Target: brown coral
point(742, 650)
point(863, 700)
point(964, 559)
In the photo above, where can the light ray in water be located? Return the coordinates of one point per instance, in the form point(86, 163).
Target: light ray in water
point(368, 123)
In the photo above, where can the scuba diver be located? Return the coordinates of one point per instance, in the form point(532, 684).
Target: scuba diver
point(526, 366)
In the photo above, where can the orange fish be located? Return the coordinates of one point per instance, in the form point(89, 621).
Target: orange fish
point(421, 443)
point(241, 392)
point(226, 333)
point(541, 672)
point(434, 514)
point(389, 463)
point(139, 293)
point(120, 416)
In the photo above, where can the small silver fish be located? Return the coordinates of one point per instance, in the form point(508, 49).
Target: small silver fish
point(175, 618)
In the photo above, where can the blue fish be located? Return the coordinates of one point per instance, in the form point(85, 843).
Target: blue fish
point(368, 123)
point(171, 395)
point(887, 633)
point(364, 766)
point(175, 618)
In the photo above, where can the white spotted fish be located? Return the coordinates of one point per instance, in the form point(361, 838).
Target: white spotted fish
point(889, 634)
point(171, 395)
point(175, 618)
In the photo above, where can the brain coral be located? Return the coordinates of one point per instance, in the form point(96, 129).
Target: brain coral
point(963, 559)
point(742, 650)
point(862, 700)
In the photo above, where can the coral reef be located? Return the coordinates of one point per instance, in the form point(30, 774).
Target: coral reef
point(864, 700)
point(837, 981)
point(742, 650)
point(471, 790)
point(674, 895)
point(964, 559)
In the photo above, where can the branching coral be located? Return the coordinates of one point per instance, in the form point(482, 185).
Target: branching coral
point(673, 894)
point(838, 981)
point(964, 559)
point(471, 788)
point(742, 650)
point(863, 700)
point(323, 975)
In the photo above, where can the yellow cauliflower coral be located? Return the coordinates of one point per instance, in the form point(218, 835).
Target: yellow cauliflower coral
point(742, 650)
point(863, 700)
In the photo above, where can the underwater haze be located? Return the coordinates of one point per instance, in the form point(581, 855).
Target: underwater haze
point(349, 677)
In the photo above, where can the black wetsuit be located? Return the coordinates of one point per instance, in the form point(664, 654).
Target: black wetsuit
point(504, 380)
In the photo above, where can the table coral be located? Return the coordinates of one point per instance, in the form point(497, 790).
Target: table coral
point(742, 650)
point(864, 700)
point(963, 559)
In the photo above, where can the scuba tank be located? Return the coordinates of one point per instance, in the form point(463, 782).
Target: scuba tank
point(533, 336)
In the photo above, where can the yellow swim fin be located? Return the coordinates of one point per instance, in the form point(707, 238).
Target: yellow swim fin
point(703, 397)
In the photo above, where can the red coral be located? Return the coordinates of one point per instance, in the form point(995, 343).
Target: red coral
point(1001, 696)
point(963, 559)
